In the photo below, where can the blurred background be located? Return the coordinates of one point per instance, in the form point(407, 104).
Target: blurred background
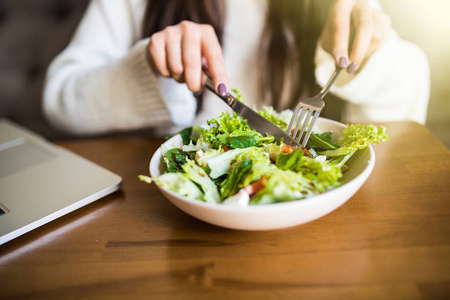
point(426, 23)
point(33, 32)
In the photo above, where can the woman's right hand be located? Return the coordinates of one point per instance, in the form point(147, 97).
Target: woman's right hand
point(184, 50)
point(371, 29)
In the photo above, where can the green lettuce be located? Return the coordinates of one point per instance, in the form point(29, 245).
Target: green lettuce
point(321, 174)
point(230, 130)
point(283, 186)
point(177, 183)
point(220, 129)
point(289, 161)
point(271, 114)
point(261, 164)
point(321, 141)
point(238, 95)
point(302, 177)
point(175, 158)
point(199, 176)
point(189, 134)
point(356, 137)
point(232, 182)
point(217, 161)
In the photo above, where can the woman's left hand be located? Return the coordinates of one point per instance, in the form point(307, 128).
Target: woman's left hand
point(353, 32)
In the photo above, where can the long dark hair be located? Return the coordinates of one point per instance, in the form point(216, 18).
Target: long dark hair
point(162, 13)
point(288, 44)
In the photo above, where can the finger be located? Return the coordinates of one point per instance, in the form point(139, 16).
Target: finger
point(191, 56)
point(173, 52)
point(363, 36)
point(340, 15)
point(205, 71)
point(205, 67)
point(156, 54)
point(214, 58)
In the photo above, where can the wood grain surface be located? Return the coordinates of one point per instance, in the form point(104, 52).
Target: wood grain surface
point(391, 240)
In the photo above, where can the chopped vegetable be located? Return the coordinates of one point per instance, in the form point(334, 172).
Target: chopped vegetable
point(232, 164)
point(198, 176)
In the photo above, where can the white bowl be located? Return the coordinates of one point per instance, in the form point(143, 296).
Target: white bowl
point(277, 215)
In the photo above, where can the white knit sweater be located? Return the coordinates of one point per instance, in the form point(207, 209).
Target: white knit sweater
point(101, 82)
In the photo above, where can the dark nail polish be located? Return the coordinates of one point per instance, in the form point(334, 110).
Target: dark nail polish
point(343, 62)
point(352, 68)
point(222, 89)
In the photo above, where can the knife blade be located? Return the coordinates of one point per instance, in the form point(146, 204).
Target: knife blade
point(254, 119)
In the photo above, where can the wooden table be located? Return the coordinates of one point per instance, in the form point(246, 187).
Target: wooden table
point(390, 241)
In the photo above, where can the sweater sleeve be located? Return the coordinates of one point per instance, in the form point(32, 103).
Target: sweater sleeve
point(394, 84)
point(101, 82)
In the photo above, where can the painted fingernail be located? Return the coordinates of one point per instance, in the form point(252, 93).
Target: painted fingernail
point(352, 68)
point(222, 89)
point(343, 62)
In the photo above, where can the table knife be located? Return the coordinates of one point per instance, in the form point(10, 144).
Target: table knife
point(254, 119)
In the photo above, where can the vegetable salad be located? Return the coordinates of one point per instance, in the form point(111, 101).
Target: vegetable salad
point(230, 163)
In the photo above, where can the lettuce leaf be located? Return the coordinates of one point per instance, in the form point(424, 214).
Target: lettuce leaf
point(233, 131)
point(199, 176)
point(339, 161)
point(220, 129)
point(186, 135)
point(270, 114)
point(231, 156)
point(289, 161)
point(356, 137)
point(238, 95)
point(243, 139)
point(321, 141)
point(261, 164)
point(232, 183)
point(321, 174)
point(283, 186)
point(177, 183)
point(175, 158)
point(218, 161)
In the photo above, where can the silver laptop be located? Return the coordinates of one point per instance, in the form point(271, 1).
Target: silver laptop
point(40, 181)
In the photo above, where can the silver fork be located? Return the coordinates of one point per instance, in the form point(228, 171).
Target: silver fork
point(311, 107)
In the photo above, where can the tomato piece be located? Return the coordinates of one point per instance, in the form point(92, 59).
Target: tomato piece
point(256, 186)
point(287, 149)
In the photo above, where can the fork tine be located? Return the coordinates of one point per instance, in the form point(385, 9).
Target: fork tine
point(313, 106)
point(310, 128)
point(293, 120)
point(305, 124)
point(299, 122)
